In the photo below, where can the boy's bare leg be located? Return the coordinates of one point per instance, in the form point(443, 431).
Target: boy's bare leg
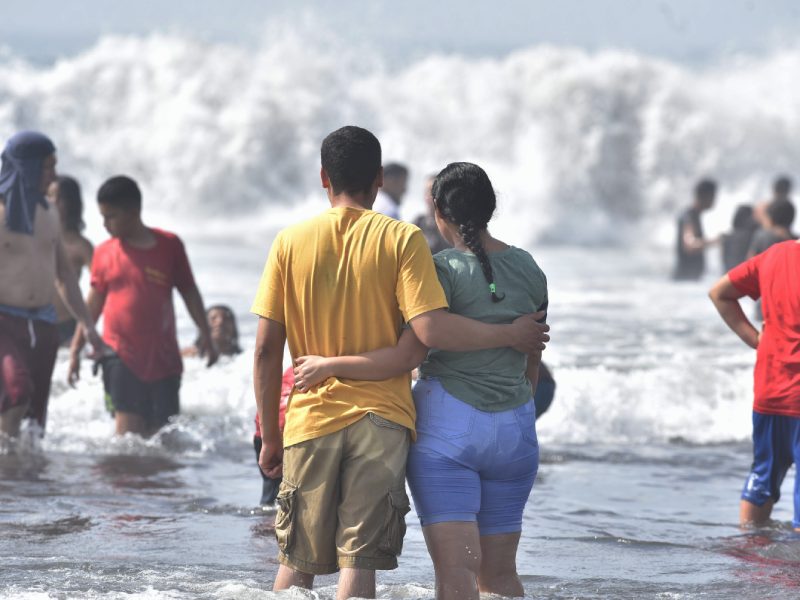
point(355, 583)
point(11, 420)
point(288, 577)
point(455, 548)
point(130, 423)
point(750, 514)
point(498, 573)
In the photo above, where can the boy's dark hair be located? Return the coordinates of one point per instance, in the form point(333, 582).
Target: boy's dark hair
point(463, 195)
point(69, 196)
point(351, 157)
point(705, 188)
point(395, 170)
point(781, 213)
point(122, 192)
point(782, 186)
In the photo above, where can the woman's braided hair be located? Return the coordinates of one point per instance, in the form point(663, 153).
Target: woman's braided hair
point(464, 196)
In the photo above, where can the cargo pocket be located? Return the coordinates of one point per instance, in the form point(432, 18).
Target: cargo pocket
point(395, 530)
point(284, 520)
point(381, 422)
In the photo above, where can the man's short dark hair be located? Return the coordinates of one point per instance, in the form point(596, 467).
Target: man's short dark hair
point(395, 170)
point(122, 192)
point(782, 186)
point(705, 188)
point(781, 213)
point(351, 157)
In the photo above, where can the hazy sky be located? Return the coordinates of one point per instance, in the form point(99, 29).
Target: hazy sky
point(685, 30)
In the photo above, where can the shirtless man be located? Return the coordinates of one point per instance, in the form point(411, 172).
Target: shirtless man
point(32, 257)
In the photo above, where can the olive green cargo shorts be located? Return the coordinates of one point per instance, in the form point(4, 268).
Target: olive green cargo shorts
point(342, 502)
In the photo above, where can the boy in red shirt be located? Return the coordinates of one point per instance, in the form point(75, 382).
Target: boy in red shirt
point(773, 276)
point(133, 274)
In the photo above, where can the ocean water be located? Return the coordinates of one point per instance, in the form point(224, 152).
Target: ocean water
point(646, 446)
point(644, 452)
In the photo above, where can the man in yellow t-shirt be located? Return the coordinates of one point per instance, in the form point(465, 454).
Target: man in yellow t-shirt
point(343, 283)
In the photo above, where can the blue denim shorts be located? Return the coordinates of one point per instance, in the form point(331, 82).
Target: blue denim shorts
point(471, 465)
point(776, 445)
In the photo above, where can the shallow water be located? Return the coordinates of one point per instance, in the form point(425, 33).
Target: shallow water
point(644, 453)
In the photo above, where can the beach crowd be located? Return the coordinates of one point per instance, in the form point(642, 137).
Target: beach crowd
point(416, 351)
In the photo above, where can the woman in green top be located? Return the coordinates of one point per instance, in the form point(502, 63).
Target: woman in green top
point(473, 465)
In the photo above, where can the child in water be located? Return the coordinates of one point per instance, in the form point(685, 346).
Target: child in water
point(772, 277)
point(269, 486)
point(225, 337)
point(223, 330)
point(473, 465)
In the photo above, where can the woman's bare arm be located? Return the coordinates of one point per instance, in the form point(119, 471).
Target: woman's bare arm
point(375, 365)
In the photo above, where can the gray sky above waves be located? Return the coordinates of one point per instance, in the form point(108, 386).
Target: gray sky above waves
point(683, 30)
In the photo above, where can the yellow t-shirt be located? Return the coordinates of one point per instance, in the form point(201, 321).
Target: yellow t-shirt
point(343, 283)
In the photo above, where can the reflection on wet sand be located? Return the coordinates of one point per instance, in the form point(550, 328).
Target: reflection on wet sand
point(44, 528)
point(769, 556)
point(139, 472)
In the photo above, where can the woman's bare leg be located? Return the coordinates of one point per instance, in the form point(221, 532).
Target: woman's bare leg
point(498, 572)
point(455, 548)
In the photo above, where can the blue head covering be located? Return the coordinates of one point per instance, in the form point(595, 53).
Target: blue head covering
point(21, 177)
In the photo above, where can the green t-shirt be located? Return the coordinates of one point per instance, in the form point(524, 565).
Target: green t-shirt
point(489, 380)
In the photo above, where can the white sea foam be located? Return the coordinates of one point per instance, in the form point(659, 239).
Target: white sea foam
point(637, 360)
point(579, 144)
point(582, 147)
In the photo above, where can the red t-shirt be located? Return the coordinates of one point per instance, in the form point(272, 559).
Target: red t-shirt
point(138, 315)
point(774, 276)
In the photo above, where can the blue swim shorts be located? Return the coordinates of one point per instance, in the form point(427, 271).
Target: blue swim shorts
point(471, 465)
point(776, 445)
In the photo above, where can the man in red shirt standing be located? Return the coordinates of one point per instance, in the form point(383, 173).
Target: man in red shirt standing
point(773, 276)
point(133, 274)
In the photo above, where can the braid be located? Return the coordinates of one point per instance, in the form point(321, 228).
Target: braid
point(472, 239)
point(463, 195)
